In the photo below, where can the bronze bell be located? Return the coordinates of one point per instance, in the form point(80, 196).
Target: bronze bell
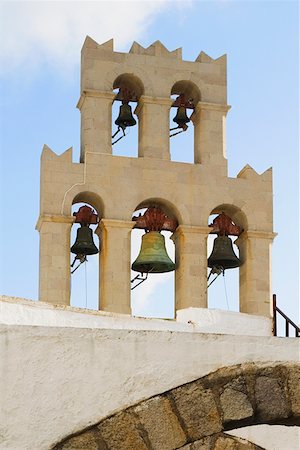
point(153, 256)
point(181, 117)
point(223, 255)
point(125, 118)
point(84, 244)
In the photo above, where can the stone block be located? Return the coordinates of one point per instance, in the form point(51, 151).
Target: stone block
point(202, 444)
point(231, 443)
point(197, 409)
point(161, 424)
point(294, 389)
point(122, 431)
point(235, 405)
point(271, 400)
point(86, 441)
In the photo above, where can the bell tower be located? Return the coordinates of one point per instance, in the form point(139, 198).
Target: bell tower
point(117, 186)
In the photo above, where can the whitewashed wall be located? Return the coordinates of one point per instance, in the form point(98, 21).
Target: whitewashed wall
point(56, 380)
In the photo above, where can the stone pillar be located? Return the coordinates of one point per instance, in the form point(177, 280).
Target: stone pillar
point(209, 136)
point(96, 128)
point(54, 282)
point(154, 126)
point(191, 266)
point(115, 252)
point(255, 273)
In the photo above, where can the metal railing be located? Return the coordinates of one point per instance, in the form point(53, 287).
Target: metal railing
point(288, 321)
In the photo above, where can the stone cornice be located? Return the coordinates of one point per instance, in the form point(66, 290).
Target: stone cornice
point(54, 218)
point(257, 234)
point(95, 94)
point(211, 107)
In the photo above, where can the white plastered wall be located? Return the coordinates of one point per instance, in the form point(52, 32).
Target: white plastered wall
point(56, 380)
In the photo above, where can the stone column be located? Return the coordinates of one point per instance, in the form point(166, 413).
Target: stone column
point(154, 126)
point(255, 273)
point(115, 252)
point(54, 281)
point(209, 135)
point(191, 266)
point(96, 129)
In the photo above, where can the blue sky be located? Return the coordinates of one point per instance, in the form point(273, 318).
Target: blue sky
point(39, 60)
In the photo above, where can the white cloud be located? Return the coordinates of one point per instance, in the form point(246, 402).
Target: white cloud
point(44, 32)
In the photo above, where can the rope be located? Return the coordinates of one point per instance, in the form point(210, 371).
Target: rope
point(225, 291)
point(86, 301)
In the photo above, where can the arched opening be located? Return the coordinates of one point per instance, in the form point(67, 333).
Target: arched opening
point(185, 95)
point(128, 89)
point(223, 288)
point(152, 292)
point(85, 268)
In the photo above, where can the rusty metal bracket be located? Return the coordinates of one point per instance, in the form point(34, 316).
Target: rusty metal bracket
point(154, 219)
point(224, 226)
point(86, 216)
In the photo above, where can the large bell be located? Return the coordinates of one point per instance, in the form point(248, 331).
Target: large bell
point(84, 244)
point(125, 118)
point(153, 255)
point(223, 255)
point(181, 117)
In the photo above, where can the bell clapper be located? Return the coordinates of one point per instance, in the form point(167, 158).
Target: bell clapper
point(82, 259)
point(183, 128)
point(123, 128)
point(218, 270)
point(140, 277)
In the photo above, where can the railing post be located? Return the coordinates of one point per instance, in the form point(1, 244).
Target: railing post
point(286, 328)
point(274, 316)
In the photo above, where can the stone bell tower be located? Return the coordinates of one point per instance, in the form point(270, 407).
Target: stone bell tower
point(117, 186)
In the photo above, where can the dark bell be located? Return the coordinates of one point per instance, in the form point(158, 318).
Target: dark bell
point(223, 255)
point(125, 118)
point(153, 256)
point(84, 244)
point(181, 117)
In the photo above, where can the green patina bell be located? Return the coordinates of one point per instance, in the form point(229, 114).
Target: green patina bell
point(181, 117)
point(84, 244)
point(223, 255)
point(153, 256)
point(125, 118)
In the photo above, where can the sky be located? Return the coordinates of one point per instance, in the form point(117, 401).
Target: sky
point(40, 76)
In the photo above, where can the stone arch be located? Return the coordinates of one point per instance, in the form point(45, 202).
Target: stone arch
point(92, 199)
point(77, 195)
point(137, 76)
point(234, 212)
point(131, 82)
point(188, 88)
point(229, 398)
